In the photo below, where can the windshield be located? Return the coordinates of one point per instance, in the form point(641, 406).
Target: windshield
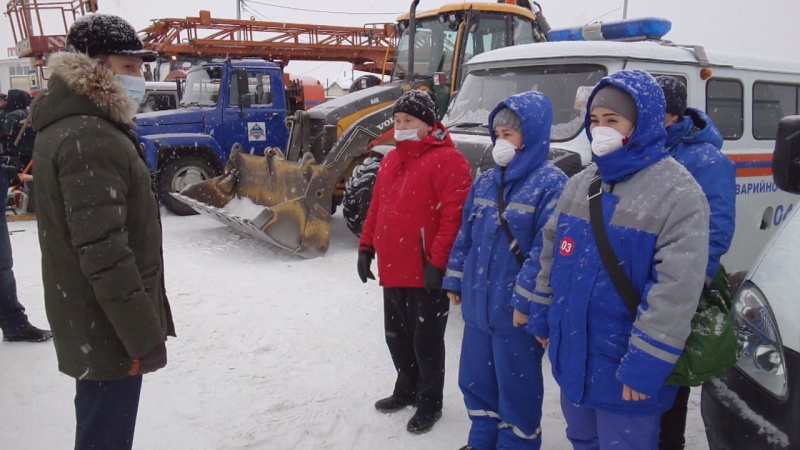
point(202, 87)
point(567, 86)
point(174, 67)
point(434, 50)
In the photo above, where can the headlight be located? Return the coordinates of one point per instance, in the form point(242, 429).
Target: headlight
point(762, 358)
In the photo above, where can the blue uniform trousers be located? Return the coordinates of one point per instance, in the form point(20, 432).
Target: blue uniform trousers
point(500, 376)
point(593, 429)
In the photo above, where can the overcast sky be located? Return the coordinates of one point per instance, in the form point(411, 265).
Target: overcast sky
point(763, 27)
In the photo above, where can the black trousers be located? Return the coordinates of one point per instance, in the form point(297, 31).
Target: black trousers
point(673, 422)
point(106, 413)
point(415, 321)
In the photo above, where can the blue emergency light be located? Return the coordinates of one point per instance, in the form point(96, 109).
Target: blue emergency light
point(645, 28)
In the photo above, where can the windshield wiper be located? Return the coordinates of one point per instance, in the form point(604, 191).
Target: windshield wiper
point(468, 125)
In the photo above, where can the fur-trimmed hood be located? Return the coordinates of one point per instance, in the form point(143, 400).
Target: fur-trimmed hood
point(79, 85)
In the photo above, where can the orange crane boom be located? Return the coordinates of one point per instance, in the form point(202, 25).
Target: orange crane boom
point(27, 20)
point(370, 48)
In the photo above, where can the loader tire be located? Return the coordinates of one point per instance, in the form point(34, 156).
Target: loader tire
point(176, 174)
point(358, 193)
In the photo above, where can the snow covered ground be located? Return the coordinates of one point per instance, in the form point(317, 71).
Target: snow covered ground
point(273, 352)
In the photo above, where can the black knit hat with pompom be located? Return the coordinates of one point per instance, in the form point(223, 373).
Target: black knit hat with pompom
point(418, 104)
point(674, 93)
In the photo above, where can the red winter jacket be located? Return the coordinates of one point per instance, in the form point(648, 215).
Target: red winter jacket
point(420, 185)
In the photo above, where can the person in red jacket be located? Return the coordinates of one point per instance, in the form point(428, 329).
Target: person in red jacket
point(411, 225)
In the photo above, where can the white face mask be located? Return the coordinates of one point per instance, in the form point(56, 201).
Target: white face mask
point(406, 135)
point(503, 152)
point(133, 85)
point(606, 140)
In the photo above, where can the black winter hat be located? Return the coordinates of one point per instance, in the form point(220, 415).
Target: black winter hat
point(674, 93)
point(418, 104)
point(17, 100)
point(104, 34)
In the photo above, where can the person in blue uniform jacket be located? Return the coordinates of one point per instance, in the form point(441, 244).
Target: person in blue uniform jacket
point(500, 372)
point(612, 363)
point(695, 142)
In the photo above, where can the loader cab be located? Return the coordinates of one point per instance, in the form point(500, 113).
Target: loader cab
point(449, 37)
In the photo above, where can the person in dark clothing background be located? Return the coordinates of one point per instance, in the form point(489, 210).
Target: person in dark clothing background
point(13, 320)
point(695, 142)
point(12, 125)
point(411, 225)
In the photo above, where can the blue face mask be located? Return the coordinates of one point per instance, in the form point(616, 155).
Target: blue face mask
point(133, 85)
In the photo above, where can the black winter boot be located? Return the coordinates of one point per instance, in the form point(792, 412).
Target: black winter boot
point(391, 404)
point(29, 334)
point(467, 447)
point(422, 423)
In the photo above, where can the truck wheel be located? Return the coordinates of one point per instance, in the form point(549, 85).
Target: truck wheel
point(178, 173)
point(358, 193)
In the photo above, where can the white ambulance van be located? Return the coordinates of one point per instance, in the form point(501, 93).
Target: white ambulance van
point(745, 96)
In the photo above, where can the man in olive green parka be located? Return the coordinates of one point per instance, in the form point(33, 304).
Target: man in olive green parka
point(99, 229)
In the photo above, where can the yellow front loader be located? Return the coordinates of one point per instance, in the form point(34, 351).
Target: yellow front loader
point(287, 197)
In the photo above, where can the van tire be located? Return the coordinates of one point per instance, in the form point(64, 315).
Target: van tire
point(358, 193)
point(169, 178)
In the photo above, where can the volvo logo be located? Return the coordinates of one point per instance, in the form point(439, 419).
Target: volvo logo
point(386, 123)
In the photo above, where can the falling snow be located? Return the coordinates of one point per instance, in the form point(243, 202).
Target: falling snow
point(267, 356)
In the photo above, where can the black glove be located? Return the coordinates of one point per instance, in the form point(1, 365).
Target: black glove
point(155, 359)
point(432, 278)
point(12, 167)
point(364, 262)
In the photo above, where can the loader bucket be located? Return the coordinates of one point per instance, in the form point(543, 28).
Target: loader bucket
point(286, 203)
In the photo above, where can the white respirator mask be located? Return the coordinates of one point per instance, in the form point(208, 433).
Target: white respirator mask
point(606, 140)
point(406, 135)
point(503, 152)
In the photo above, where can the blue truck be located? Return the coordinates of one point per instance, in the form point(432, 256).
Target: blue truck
point(223, 104)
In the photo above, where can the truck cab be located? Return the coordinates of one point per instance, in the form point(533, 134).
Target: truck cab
point(223, 104)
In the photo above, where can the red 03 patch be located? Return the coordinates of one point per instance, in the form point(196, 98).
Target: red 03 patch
point(567, 246)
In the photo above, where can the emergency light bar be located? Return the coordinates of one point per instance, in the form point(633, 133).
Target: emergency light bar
point(633, 29)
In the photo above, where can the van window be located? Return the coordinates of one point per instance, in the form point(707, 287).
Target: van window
point(725, 106)
point(771, 102)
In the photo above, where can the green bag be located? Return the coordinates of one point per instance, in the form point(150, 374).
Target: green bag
point(712, 348)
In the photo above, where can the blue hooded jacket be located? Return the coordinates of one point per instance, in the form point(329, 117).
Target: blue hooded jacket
point(696, 143)
point(656, 219)
point(646, 144)
point(481, 266)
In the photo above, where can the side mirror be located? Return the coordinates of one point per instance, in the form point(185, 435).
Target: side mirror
point(786, 157)
point(245, 101)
